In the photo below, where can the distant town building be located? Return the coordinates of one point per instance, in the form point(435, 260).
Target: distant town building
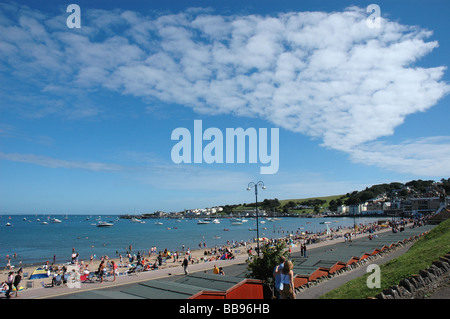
point(425, 204)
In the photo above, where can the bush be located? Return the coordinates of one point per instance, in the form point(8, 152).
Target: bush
point(262, 267)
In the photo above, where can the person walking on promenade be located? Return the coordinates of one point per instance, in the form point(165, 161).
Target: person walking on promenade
point(277, 276)
point(287, 279)
point(185, 265)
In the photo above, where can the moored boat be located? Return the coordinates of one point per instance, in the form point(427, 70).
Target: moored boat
point(105, 224)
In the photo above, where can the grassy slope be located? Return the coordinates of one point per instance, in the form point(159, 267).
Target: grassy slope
point(307, 211)
point(284, 201)
point(420, 256)
point(327, 198)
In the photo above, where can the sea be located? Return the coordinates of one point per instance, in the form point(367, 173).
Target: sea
point(35, 243)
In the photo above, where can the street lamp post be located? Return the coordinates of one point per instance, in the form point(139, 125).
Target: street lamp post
point(249, 187)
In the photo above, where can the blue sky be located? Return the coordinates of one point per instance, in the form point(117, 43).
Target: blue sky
point(86, 114)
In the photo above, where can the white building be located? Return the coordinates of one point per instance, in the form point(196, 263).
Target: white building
point(343, 209)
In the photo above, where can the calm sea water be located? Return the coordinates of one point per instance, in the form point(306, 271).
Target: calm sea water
point(35, 243)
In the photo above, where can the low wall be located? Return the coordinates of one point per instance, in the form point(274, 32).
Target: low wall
point(420, 285)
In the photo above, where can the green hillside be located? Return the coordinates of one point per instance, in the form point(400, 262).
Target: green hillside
point(326, 198)
point(324, 203)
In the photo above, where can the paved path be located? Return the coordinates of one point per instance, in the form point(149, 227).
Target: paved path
point(315, 292)
point(442, 293)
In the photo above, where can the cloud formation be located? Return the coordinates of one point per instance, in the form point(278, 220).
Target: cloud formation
point(51, 162)
point(324, 75)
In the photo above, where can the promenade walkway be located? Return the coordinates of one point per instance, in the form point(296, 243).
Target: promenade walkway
point(323, 253)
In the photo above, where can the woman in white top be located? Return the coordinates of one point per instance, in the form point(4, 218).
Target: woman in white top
point(287, 278)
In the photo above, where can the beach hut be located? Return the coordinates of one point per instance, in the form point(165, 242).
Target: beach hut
point(195, 286)
point(39, 273)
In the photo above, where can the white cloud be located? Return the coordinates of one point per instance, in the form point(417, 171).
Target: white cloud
point(325, 75)
point(423, 157)
point(51, 162)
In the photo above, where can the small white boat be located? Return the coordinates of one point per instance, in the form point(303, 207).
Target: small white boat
point(252, 229)
point(8, 224)
point(44, 223)
point(262, 222)
point(202, 222)
point(158, 223)
point(56, 220)
point(216, 221)
point(245, 220)
point(135, 220)
point(104, 224)
point(236, 223)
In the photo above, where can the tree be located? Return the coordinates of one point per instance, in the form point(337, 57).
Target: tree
point(262, 267)
point(366, 195)
point(352, 201)
point(446, 185)
point(270, 204)
point(403, 193)
point(333, 205)
point(291, 204)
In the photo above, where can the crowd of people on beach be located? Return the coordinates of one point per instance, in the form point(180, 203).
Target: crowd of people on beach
point(154, 259)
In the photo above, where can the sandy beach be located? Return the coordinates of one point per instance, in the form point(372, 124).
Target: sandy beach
point(197, 257)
